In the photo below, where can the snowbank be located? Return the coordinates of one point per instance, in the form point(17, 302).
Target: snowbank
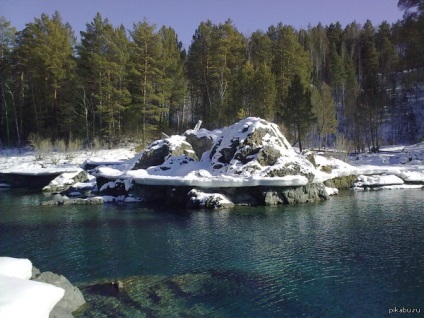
point(21, 297)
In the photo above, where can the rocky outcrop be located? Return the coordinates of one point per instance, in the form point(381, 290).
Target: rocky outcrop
point(265, 144)
point(66, 180)
point(249, 162)
point(22, 180)
point(157, 152)
point(294, 195)
point(71, 301)
point(199, 199)
point(341, 183)
point(200, 142)
point(64, 200)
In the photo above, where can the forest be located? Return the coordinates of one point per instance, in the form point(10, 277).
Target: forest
point(323, 85)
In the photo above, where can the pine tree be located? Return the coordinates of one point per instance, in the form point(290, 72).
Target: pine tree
point(175, 84)
point(46, 53)
point(264, 93)
point(8, 114)
point(289, 60)
point(298, 115)
point(370, 96)
point(147, 78)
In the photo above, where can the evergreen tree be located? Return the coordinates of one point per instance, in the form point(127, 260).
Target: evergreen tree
point(298, 115)
point(215, 57)
point(318, 47)
point(260, 49)
point(92, 71)
point(371, 93)
point(289, 60)
point(46, 54)
point(244, 92)
point(174, 84)
point(8, 114)
point(147, 78)
point(264, 92)
point(199, 72)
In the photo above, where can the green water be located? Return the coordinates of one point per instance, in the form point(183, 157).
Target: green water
point(356, 255)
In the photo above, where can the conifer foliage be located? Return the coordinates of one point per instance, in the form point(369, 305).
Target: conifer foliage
point(112, 83)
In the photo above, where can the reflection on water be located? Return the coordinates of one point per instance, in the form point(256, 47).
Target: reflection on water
point(356, 255)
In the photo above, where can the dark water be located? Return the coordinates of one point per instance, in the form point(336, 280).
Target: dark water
point(357, 255)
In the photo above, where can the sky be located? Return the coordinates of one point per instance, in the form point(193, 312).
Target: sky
point(184, 16)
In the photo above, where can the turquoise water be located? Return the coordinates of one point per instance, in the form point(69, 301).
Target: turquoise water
point(356, 255)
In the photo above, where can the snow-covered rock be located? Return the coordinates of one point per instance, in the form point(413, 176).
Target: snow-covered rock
point(16, 267)
point(374, 181)
point(199, 199)
point(72, 299)
point(66, 180)
point(22, 297)
point(158, 151)
point(249, 153)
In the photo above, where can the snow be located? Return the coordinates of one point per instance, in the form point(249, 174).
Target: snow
point(26, 162)
point(395, 166)
point(378, 180)
point(202, 199)
point(16, 267)
point(21, 297)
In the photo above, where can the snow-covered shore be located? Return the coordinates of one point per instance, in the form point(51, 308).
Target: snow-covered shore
point(250, 153)
point(22, 297)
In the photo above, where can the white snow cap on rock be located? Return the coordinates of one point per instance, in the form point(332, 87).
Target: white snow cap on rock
point(16, 267)
point(21, 297)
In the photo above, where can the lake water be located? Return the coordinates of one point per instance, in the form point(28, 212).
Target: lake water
point(356, 255)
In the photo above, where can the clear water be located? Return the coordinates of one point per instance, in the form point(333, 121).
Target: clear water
point(356, 255)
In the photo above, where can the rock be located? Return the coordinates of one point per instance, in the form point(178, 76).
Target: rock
point(71, 301)
point(75, 201)
point(294, 195)
point(248, 142)
point(172, 162)
point(116, 188)
point(158, 151)
point(198, 199)
point(293, 168)
point(268, 156)
point(66, 180)
point(199, 142)
point(35, 272)
point(342, 183)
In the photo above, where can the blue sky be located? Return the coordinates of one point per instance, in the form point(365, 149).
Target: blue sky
point(185, 15)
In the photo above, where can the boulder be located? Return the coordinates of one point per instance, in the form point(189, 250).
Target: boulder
point(71, 301)
point(66, 180)
point(250, 140)
point(64, 200)
point(199, 142)
point(198, 199)
point(293, 168)
point(116, 188)
point(294, 195)
point(158, 151)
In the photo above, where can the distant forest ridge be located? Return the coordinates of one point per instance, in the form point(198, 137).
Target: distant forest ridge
point(361, 85)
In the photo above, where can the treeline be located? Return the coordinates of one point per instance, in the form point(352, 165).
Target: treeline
point(320, 83)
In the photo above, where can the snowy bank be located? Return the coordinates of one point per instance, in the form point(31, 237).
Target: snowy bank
point(21, 297)
point(25, 292)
